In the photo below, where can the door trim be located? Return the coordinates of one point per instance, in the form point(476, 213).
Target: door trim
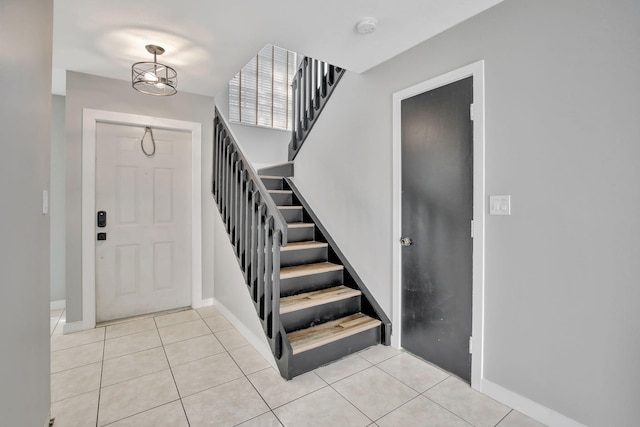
point(90, 119)
point(475, 70)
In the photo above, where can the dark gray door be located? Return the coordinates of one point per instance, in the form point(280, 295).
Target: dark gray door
point(437, 209)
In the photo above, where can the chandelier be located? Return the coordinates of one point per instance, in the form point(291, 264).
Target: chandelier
point(154, 78)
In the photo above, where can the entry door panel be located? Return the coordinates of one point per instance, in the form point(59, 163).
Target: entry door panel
point(437, 209)
point(144, 265)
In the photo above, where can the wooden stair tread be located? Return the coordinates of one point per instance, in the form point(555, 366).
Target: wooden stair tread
point(289, 207)
point(315, 298)
point(297, 246)
point(300, 225)
point(308, 269)
point(325, 333)
point(270, 177)
point(280, 191)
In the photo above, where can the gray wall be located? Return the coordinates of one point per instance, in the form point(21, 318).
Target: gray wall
point(562, 133)
point(57, 197)
point(87, 91)
point(26, 28)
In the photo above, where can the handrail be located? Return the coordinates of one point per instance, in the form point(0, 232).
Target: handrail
point(256, 228)
point(272, 209)
point(313, 85)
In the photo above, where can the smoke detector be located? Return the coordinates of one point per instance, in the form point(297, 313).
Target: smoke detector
point(367, 25)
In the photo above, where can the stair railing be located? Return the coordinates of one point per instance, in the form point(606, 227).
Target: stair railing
point(256, 229)
point(313, 85)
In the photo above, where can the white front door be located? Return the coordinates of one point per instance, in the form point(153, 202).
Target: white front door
point(144, 265)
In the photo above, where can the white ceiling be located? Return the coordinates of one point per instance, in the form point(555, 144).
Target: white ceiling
point(208, 41)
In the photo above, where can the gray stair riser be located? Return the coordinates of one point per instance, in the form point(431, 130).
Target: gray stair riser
point(313, 282)
point(283, 169)
point(301, 234)
point(305, 318)
point(273, 183)
point(292, 215)
point(303, 256)
point(282, 199)
point(312, 359)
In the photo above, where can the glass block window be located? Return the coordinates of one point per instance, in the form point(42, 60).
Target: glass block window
point(260, 94)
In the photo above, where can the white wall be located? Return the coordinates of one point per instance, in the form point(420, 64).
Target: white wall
point(57, 198)
point(26, 28)
point(262, 146)
point(87, 91)
point(562, 135)
point(232, 293)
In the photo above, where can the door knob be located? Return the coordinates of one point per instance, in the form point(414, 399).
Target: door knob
point(406, 241)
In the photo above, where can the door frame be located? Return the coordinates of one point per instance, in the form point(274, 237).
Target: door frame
point(475, 70)
point(90, 120)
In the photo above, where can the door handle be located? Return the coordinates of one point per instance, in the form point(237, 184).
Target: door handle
point(406, 241)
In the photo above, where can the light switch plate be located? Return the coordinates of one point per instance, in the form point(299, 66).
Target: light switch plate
point(500, 205)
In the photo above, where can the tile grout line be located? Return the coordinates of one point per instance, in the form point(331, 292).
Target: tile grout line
point(246, 375)
point(353, 404)
point(137, 413)
point(407, 385)
point(172, 375)
point(104, 345)
point(133, 352)
point(128, 335)
point(140, 376)
point(439, 404)
point(502, 419)
point(344, 397)
point(392, 376)
point(272, 410)
point(56, 326)
point(436, 384)
point(340, 394)
point(243, 373)
point(395, 409)
point(445, 408)
point(78, 366)
point(350, 402)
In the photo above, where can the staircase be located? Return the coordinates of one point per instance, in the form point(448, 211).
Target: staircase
point(313, 306)
point(321, 307)
point(313, 85)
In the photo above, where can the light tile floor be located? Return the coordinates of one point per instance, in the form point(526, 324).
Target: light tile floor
point(192, 368)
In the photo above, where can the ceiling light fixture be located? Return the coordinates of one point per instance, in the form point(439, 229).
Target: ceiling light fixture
point(154, 78)
point(367, 25)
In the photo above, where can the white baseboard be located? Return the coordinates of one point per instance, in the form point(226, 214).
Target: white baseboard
point(203, 303)
point(59, 305)
point(527, 406)
point(72, 327)
point(259, 343)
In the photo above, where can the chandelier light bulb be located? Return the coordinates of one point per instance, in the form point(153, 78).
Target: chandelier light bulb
point(150, 77)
